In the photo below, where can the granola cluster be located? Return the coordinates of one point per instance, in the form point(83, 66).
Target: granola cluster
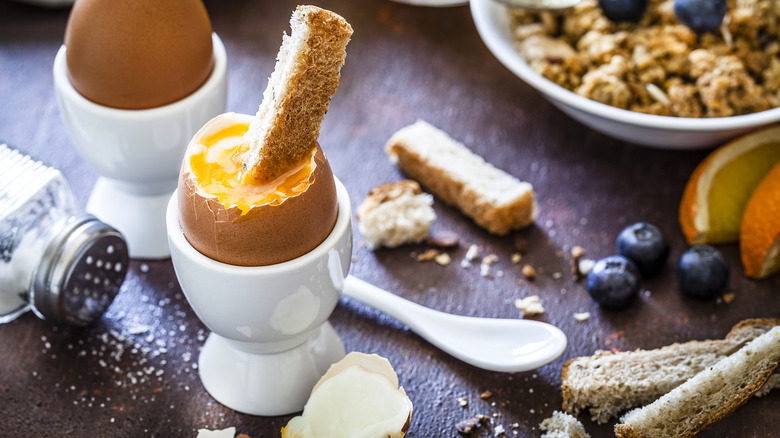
point(658, 65)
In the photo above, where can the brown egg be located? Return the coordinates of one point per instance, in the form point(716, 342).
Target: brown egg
point(138, 54)
point(223, 219)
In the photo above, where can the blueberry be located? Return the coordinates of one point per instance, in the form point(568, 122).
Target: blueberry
point(700, 15)
point(702, 272)
point(623, 10)
point(613, 281)
point(645, 245)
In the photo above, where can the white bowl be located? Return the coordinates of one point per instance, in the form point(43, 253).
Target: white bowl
point(493, 24)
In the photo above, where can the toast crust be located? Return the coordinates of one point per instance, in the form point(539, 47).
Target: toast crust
point(305, 78)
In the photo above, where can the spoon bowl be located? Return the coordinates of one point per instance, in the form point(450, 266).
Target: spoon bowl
point(503, 345)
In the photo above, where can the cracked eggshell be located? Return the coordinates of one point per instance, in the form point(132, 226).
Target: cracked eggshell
point(358, 397)
point(266, 234)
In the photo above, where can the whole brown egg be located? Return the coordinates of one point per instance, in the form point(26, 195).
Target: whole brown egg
point(138, 54)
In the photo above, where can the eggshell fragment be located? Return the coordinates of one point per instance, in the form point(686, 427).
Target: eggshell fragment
point(265, 234)
point(358, 397)
point(138, 54)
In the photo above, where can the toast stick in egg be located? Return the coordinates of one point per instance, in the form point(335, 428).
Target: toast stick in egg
point(305, 78)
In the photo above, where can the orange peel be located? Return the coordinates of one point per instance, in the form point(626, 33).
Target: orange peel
point(759, 238)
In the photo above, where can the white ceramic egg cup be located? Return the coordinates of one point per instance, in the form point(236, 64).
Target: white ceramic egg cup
point(270, 339)
point(138, 153)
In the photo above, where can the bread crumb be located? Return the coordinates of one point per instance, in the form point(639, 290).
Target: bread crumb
point(530, 305)
point(562, 425)
point(486, 395)
point(529, 272)
point(469, 424)
point(463, 401)
point(427, 255)
point(443, 259)
point(394, 214)
point(584, 266)
point(582, 316)
point(728, 297)
point(516, 257)
point(490, 259)
point(471, 255)
point(577, 253)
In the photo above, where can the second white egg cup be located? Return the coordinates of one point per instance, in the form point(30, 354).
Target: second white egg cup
point(138, 153)
point(270, 339)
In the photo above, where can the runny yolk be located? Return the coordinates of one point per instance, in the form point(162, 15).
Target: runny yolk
point(217, 168)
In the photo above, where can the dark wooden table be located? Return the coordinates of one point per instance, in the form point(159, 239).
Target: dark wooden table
point(134, 373)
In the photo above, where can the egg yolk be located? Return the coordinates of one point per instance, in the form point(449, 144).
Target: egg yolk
point(217, 166)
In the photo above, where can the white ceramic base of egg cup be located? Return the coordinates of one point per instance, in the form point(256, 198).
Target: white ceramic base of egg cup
point(270, 339)
point(138, 153)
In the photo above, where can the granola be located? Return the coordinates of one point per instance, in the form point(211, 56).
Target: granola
point(659, 66)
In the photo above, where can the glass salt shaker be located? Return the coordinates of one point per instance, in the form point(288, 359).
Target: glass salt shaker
point(64, 265)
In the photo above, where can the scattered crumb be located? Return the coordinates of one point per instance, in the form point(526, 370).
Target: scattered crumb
point(471, 255)
point(557, 275)
point(529, 272)
point(728, 297)
point(428, 255)
point(577, 253)
point(498, 430)
point(516, 257)
point(443, 259)
point(463, 401)
point(530, 305)
point(584, 266)
point(487, 262)
point(469, 424)
point(582, 316)
point(486, 395)
point(490, 259)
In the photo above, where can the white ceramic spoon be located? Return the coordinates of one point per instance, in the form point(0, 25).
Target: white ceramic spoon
point(505, 345)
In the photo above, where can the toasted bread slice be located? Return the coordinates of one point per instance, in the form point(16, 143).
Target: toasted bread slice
point(306, 76)
point(608, 383)
point(494, 199)
point(708, 396)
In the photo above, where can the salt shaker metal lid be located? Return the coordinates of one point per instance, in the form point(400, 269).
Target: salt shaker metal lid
point(80, 273)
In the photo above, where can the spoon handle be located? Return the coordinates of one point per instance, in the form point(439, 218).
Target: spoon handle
point(392, 305)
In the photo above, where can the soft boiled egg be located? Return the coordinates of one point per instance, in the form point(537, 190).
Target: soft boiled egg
point(247, 224)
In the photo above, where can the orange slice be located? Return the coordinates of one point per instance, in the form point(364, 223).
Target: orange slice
point(718, 190)
point(759, 237)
